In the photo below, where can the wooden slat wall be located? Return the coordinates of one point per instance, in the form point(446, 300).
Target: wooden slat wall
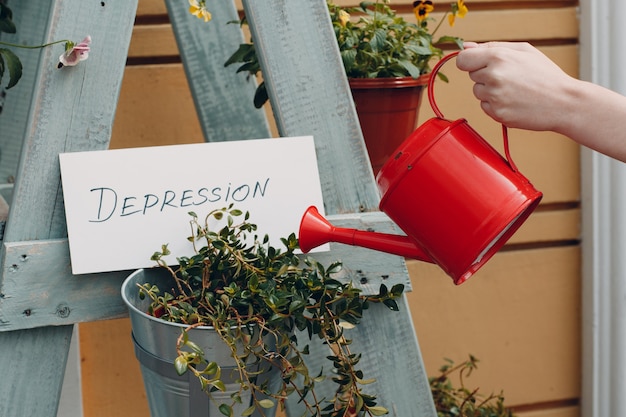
point(520, 315)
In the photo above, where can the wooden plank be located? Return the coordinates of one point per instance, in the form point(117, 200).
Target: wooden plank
point(111, 378)
point(309, 93)
point(573, 411)
point(162, 114)
point(225, 112)
point(17, 101)
point(511, 24)
point(153, 40)
point(486, 21)
point(52, 344)
point(40, 290)
point(70, 109)
point(73, 110)
point(520, 315)
point(151, 8)
point(28, 355)
point(549, 226)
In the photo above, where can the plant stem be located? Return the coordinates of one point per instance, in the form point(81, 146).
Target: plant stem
point(439, 24)
point(15, 45)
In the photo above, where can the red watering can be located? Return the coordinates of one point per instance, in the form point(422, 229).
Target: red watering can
point(456, 198)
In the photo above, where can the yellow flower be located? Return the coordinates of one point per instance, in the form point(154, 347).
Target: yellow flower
point(458, 9)
point(421, 9)
point(344, 17)
point(198, 9)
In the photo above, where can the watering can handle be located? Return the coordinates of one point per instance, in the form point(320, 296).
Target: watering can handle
point(439, 114)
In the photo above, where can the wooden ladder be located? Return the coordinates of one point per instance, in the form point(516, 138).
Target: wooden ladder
point(71, 109)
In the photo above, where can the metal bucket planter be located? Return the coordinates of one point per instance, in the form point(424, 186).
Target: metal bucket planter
point(169, 394)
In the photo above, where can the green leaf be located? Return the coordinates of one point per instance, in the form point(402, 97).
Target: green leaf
point(366, 381)
point(378, 411)
point(219, 385)
point(359, 404)
point(6, 24)
point(211, 368)
point(295, 305)
point(378, 40)
point(383, 291)
point(410, 68)
point(180, 364)
point(226, 410)
point(266, 403)
point(194, 347)
point(248, 411)
point(391, 304)
point(397, 290)
point(241, 54)
point(12, 62)
point(260, 95)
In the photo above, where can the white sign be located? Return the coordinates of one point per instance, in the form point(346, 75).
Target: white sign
point(122, 205)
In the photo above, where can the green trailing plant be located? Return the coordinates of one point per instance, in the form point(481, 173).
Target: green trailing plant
point(374, 42)
point(261, 300)
point(451, 401)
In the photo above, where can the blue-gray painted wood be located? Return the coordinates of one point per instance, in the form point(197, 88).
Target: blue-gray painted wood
point(310, 96)
point(16, 101)
point(223, 98)
point(33, 363)
point(40, 290)
point(70, 109)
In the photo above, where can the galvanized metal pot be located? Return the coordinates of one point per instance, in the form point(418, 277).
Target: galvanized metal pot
point(169, 394)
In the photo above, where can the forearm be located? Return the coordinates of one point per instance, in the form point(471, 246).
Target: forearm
point(520, 87)
point(594, 117)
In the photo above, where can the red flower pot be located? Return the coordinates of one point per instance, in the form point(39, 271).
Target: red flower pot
point(387, 110)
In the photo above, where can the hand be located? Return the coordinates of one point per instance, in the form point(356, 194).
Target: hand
point(520, 87)
point(516, 84)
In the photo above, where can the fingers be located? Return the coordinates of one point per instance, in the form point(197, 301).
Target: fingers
point(518, 46)
point(480, 92)
point(469, 45)
point(472, 58)
point(475, 56)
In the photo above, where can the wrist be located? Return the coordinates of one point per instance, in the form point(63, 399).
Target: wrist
point(572, 98)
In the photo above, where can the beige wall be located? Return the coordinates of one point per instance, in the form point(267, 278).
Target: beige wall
point(520, 315)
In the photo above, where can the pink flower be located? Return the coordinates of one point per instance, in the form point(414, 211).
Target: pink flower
point(74, 53)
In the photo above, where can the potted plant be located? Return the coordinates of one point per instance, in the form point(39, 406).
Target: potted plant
point(387, 61)
point(233, 313)
point(451, 401)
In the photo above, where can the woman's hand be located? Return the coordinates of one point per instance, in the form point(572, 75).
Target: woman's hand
point(516, 84)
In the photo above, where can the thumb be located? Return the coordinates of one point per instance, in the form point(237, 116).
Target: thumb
point(518, 46)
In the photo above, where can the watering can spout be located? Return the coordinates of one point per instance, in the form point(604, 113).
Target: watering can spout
point(315, 231)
